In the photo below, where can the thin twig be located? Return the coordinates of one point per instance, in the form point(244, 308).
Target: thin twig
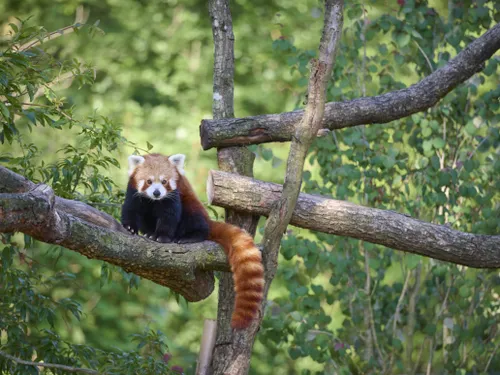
point(425, 56)
point(429, 362)
point(396, 315)
point(55, 81)
point(375, 338)
point(491, 358)
point(412, 303)
point(49, 107)
point(369, 334)
point(48, 365)
point(51, 36)
point(415, 367)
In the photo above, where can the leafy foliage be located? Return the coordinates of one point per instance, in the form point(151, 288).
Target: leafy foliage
point(28, 315)
point(339, 305)
point(28, 325)
point(27, 75)
point(361, 308)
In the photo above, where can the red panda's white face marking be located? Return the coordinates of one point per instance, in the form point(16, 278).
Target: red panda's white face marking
point(154, 175)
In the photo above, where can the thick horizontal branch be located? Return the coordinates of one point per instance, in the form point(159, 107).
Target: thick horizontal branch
point(36, 211)
point(368, 110)
point(342, 218)
point(11, 182)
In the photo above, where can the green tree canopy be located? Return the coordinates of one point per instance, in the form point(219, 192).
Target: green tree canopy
point(106, 79)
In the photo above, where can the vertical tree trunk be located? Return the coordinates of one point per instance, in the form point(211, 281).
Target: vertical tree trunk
point(233, 350)
point(233, 159)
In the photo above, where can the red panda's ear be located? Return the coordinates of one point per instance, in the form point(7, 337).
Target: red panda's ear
point(178, 161)
point(133, 162)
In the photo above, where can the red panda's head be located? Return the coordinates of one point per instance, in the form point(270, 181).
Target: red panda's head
point(155, 175)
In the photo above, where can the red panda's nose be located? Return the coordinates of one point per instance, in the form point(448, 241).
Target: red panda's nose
point(156, 193)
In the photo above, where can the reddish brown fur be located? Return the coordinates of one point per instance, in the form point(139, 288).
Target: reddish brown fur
point(248, 273)
point(154, 165)
point(189, 199)
point(244, 258)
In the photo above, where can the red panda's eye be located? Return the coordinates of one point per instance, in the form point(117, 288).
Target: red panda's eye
point(164, 182)
point(149, 181)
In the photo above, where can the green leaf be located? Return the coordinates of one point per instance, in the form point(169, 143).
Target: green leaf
point(31, 91)
point(412, 261)
point(470, 128)
point(383, 49)
point(435, 162)
point(426, 132)
point(402, 39)
point(30, 115)
point(267, 154)
point(427, 145)
point(464, 291)
point(301, 290)
point(294, 352)
point(396, 343)
point(14, 27)
point(4, 110)
point(296, 316)
point(430, 329)
point(444, 178)
point(438, 143)
point(302, 82)
point(400, 60)
point(469, 165)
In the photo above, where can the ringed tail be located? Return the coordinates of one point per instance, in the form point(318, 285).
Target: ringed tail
point(248, 272)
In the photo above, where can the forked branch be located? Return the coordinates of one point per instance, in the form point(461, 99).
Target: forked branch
point(368, 110)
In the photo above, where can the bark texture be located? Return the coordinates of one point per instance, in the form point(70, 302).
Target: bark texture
point(232, 348)
point(383, 227)
point(367, 110)
point(35, 210)
point(306, 131)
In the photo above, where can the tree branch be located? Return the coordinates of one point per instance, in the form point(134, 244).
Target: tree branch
point(48, 365)
point(36, 211)
point(11, 182)
point(50, 36)
point(383, 227)
point(367, 110)
point(282, 209)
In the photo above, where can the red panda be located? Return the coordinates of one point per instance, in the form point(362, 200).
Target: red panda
point(161, 204)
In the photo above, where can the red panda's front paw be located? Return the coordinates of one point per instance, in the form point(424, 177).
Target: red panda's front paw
point(164, 239)
point(131, 229)
point(149, 236)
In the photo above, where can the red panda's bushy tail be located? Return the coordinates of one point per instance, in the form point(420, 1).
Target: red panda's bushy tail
point(248, 272)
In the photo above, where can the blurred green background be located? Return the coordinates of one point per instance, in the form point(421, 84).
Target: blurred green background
point(153, 78)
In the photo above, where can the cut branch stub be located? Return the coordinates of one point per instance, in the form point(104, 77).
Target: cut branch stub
point(384, 227)
point(368, 110)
